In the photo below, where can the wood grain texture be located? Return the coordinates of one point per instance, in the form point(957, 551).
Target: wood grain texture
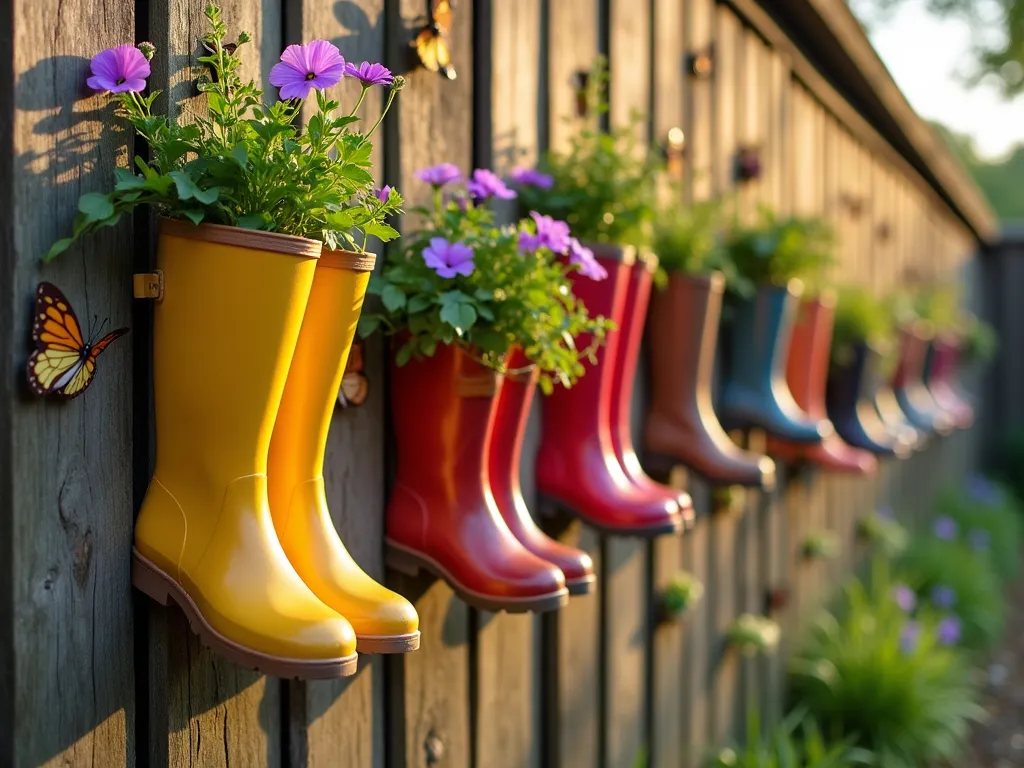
point(342, 722)
point(701, 137)
point(571, 49)
point(69, 622)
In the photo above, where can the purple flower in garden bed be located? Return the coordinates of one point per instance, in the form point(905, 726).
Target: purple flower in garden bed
point(909, 636)
point(551, 234)
point(316, 65)
point(979, 539)
point(439, 175)
point(370, 74)
point(949, 630)
point(984, 491)
point(943, 596)
point(945, 528)
point(531, 177)
point(905, 597)
point(448, 259)
point(584, 257)
point(485, 184)
point(122, 69)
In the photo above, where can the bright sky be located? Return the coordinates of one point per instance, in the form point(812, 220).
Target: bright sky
point(924, 54)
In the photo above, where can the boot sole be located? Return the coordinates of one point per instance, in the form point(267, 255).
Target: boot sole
point(549, 506)
point(388, 643)
point(410, 562)
point(663, 463)
point(582, 586)
point(152, 581)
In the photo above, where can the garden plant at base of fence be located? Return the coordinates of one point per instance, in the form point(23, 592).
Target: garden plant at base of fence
point(771, 259)
point(681, 425)
point(249, 202)
point(463, 300)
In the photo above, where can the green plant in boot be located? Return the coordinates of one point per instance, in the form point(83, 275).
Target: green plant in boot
point(681, 594)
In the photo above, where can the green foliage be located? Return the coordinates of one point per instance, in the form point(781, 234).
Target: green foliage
point(605, 184)
point(978, 339)
point(754, 635)
point(776, 250)
point(883, 533)
point(681, 594)
point(510, 298)
point(686, 239)
point(821, 545)
point(861, 318)
point(247, 164)
point(867, 675)
point(930, 562)
point(989, 522)
point(796, 742)
point(939, 304)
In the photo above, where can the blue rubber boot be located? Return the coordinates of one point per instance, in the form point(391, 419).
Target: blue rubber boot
point(756, 393)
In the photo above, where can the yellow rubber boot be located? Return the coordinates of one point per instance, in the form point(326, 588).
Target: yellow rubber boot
point(384, 621)
point(224, 334)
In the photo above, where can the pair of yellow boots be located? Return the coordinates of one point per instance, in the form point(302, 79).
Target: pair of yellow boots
point(251, 336)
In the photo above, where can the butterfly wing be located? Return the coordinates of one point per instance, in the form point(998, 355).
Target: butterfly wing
point(431, 43)
point(82, 378)
point(57, 336)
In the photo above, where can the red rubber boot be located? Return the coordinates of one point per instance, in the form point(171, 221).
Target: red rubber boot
point(807, 377)
point(512, 413)
point(630, 335)
point(442, 516)
point(941, 382)
point(576, 465)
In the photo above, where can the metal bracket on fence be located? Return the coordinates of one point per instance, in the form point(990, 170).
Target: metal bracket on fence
point(148, 285)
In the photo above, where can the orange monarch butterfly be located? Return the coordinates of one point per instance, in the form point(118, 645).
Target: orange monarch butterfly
point(432, 43)
point(62, 362)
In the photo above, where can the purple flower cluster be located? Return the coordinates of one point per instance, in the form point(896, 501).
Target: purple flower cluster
point(949, 630)
point(370, 74)
point(440, 175)
point(584, 258)
point(302, 68)
point(123, 69)
point(486, 184)
point(551, 234)
point(448, 259)
point(531, 177)
point(905, 597)
point(984, 491)
point(943, 596)
point(909, 636)
point(944, 527)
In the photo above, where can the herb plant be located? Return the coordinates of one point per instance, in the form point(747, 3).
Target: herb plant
point(776, 249)
point(604, 186)
point(754, 635)
point(681, 594)
point(248, 164)
point(687, 240)
point(861, 319)
point(978, 339)
point(462, 279)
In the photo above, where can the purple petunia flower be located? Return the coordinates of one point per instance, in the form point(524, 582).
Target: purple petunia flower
point(485, 184)
point(531, 177)
point(448, 259)
point(945, 528)
point(943, 596)
point(979, 539)
point(948, 631)
point(383, 193)
point(370, 74)
point(905, 597)
point(318, 65)
point(909, 636)
point(584, 258)
point(984, 491)
point(439, 175)
point(122, 69)
point(551, 233)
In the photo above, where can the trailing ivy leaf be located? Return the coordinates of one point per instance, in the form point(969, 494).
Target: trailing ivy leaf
point(404, 354)
point(58, 248)
point(95, 206)
point(393, 298)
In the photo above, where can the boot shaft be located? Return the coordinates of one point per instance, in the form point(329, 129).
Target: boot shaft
point(683, 336)
point(913, 352)
point(443, 409)
point(631, 333)
point(223, 339)
point(808, 359)
point(511, 416)
point(761, 334)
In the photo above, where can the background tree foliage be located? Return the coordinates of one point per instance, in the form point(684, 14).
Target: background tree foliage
point(1000, 180)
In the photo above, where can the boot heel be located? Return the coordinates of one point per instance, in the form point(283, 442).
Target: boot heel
point(150, 583)
point(397, 560)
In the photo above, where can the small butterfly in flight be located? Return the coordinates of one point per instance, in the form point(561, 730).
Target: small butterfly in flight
point(62, 363)
point(432, 44)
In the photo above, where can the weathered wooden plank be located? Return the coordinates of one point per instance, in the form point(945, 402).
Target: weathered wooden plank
point(67, 613)
point(509, 90)
point(429, 689)
point(700, 140)
point(571, 49)
point(341, 722)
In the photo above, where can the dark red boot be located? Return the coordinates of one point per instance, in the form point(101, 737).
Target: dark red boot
point(630, 335)
point(576, 465)
point(442, 516)
point(510, 418)
point(807, 377)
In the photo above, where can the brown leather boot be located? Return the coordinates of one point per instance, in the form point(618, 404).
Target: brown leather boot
point(682, 426)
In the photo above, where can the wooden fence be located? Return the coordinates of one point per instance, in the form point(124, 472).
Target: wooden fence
point(94, 675)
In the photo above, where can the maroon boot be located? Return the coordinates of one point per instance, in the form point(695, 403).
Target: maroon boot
point(577, 468)
point(631, 333)
point(442, 516)
point(510, 419)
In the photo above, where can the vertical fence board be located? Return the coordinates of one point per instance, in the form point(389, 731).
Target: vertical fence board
point(70, 493)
